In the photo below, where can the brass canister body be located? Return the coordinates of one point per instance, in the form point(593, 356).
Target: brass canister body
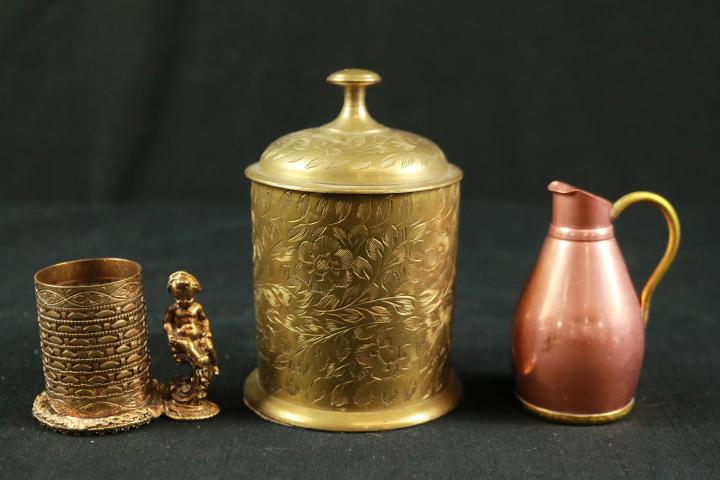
point(354, 305)
point(355, 229)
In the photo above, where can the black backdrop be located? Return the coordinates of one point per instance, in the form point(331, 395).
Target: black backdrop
point(169, 101)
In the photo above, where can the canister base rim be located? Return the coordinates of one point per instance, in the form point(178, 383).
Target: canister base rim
point(578, 418)
point(46, 415)
point(286, 413)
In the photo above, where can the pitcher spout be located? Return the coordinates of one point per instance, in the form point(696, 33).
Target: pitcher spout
point(578, 209)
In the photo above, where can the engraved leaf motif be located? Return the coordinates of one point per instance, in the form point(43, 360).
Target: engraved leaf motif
point(340, 234)
point(362, 211)
point(389, 394)
point(321, 360)
point(426, 297)
point(267, 200)
point(406, 206)
point(365, 394)
point(352, 315)
point(322, 206)
point(315, 162)
point(390, 280)
point(316, 232)
point(362, 268)
point(339, 395)
point(284, 255)
point(390, 236)
point(342, 208)
point(413, 323)
point(274, 231)
point(302, 299)
point(350, 293)
point(296, 233)
point(276, 295)
point(403, 306)
point(358, 233)
point(282, 293)
point(362, 334)
point(328, 301)
point(303, 203)
point(285, 200)
point(388, 161)
point(364, 355)
point(362, 165)
point(297, 363)
point(383, 208)
point(407, 161)
point(314, 395)
point(341, 347)
point(374, 248)
point(381, 312)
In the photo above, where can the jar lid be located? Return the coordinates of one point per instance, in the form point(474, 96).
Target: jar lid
point(354, 153)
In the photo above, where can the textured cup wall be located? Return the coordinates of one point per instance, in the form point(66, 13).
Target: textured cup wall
point(93, 339)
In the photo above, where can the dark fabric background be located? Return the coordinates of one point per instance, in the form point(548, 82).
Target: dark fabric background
point(170, 100)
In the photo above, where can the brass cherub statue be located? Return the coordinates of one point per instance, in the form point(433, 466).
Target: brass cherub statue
point(188, 331)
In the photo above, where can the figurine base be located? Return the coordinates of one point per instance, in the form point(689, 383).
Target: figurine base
point(578, 418)
point(44, 413)
point(283, 412)
point(182, 411)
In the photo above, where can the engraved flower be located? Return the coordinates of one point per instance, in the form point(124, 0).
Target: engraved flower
point(324, 264)
point(436, 245)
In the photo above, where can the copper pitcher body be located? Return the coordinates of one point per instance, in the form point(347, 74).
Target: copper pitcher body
point(579, 328)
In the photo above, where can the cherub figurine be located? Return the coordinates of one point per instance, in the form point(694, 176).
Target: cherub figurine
point(188, 332)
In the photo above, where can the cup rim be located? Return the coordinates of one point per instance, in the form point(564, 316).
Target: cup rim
point(133, 265)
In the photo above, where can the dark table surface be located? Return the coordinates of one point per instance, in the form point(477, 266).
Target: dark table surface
point(674, 431)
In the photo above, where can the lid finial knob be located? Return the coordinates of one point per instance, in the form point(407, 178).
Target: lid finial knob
point(354, 115)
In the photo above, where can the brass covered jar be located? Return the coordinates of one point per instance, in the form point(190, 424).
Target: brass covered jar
point(355, 229)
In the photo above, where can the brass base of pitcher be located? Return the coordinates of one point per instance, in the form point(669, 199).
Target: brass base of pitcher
point(46, 415)
point(578, 418)
point(283, 412)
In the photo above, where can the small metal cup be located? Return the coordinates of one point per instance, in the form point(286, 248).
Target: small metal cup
point(94, 343)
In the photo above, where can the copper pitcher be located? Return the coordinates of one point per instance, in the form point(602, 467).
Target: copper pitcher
point(579, 328)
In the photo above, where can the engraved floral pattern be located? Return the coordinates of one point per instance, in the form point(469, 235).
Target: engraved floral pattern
point(354, 295)
point(324, 264)
point(321, 147)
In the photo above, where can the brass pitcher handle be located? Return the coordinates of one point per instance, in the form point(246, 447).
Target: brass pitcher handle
point(673, 224)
